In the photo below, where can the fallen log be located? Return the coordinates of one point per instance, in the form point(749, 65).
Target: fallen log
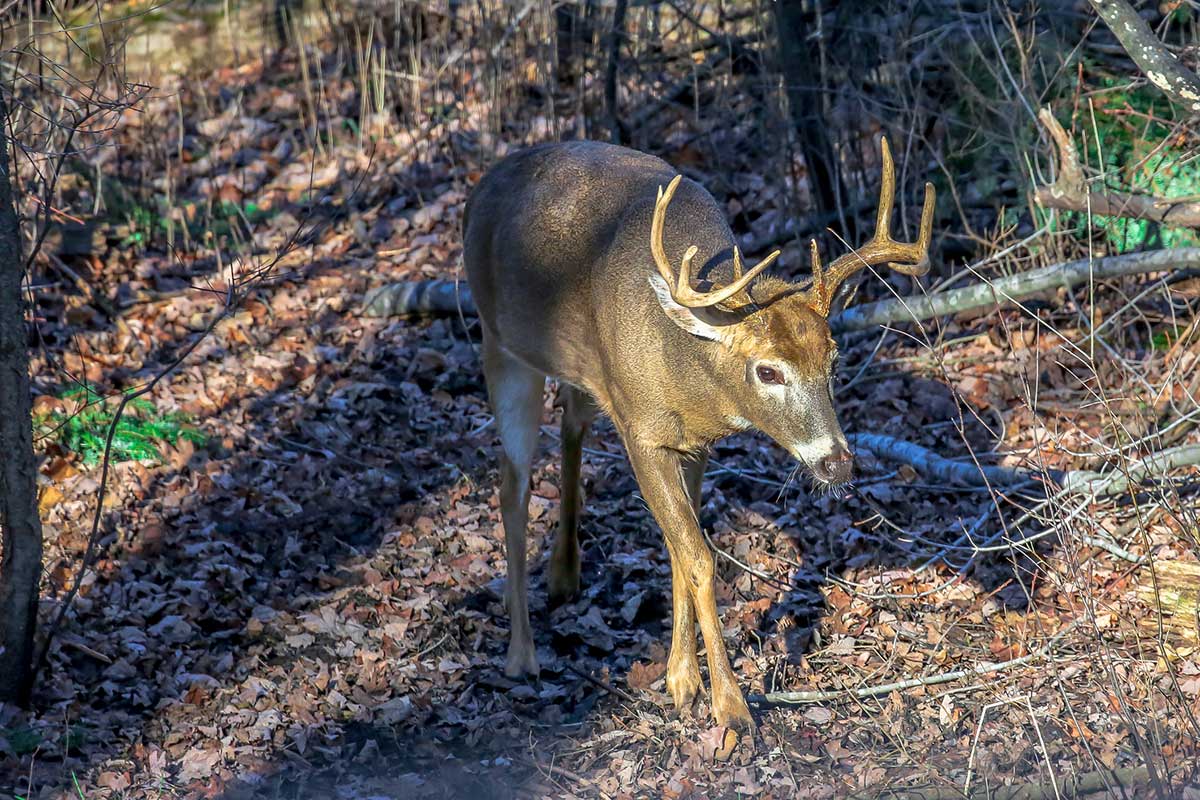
point(934, 467)
point(420, 298)
point(1076, 482)
point(1011, 289)
point(441, 298)
point(1171, 589)
point(1155, 465)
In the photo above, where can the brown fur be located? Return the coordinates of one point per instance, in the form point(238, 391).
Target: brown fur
point(557, 254)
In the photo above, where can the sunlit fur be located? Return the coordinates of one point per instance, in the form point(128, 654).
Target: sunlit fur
point(557, 252)
point(776, 327)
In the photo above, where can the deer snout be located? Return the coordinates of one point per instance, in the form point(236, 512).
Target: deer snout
point(836, 467)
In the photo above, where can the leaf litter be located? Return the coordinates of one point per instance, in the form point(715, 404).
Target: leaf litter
point(306, 602)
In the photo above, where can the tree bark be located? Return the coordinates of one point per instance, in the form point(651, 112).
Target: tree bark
point(20, 527)
point(1152, 57)
point(801, 73)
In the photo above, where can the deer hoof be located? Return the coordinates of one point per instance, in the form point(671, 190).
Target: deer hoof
point(562, 579)
point(683, 682)
point(522, 661)
point(730, 709)
point(562, 584)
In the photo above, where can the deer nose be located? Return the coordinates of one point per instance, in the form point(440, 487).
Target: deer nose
point(837, 466)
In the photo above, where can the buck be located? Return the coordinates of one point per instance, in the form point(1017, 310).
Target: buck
point(569, 251)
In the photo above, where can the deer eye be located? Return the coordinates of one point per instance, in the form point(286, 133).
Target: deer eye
point(768, 374)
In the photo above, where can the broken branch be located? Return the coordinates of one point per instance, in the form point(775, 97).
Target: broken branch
point(1069, 191)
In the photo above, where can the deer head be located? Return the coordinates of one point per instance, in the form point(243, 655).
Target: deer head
point(772, 338)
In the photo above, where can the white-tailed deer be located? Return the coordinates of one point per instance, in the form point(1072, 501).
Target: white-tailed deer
point(569, 251)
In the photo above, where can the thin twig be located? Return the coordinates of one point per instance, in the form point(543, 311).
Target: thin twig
point(624, 695)
point(983, 668)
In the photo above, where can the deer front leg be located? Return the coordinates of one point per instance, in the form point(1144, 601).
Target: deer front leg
point(661, 475)
point(683, 668)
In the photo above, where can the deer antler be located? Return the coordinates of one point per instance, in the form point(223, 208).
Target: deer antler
point(681, 285)
point(881, 249)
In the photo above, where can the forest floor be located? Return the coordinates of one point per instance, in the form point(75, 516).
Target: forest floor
point(307, 602)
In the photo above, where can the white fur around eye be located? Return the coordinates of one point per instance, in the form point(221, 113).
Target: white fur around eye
point(780, 391)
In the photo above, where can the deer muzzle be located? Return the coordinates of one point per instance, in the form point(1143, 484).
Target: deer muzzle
point(827, 458)
point(835, 468)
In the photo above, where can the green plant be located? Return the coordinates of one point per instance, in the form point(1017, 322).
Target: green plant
point(1165, 338)
point(142, 427)
point(1134, 145)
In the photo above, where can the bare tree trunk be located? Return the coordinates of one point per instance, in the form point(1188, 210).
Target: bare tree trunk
point(617, 38)
point(20, 527)
point(801, 73)
point(571, 25)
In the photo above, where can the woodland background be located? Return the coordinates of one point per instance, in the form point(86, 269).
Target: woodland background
point(250, 530)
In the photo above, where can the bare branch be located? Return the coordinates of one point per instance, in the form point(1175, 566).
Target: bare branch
point(1152, 57)
point(980, 669)
point(1070, 193)
point(1108, 781)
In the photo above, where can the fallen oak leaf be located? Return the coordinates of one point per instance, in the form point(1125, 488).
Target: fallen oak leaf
point(642, 675)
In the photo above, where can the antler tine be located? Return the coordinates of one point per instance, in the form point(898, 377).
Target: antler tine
point(924, 237)
point(725, 292)
point(887, 193)
point(656, 231)
point(684, 284)
point(817, 289)
point(913, 257)
point(681, 285)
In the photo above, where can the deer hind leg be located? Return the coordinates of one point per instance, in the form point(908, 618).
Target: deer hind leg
point(516, 394)
point(563, 578)
point(683, 666)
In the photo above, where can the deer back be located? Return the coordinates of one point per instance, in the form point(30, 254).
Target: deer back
point(557, 252)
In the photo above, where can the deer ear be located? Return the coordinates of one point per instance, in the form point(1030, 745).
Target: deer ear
point(686, 318)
